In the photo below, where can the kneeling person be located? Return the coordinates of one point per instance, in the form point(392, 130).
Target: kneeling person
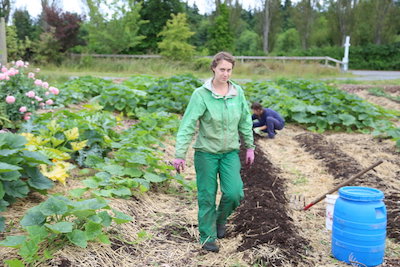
point(268, 120)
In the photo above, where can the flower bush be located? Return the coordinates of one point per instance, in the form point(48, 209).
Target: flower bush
point(21, 93)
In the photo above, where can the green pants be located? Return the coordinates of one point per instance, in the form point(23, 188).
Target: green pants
point(208, 167)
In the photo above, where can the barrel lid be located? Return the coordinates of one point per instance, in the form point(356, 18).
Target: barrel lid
point(360, 193)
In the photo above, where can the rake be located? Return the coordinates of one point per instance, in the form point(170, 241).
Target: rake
point(299, 201)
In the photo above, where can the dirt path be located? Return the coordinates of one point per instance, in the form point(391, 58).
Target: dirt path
point(313, 163)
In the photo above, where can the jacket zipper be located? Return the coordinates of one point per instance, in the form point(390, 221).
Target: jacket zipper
point(225, 123)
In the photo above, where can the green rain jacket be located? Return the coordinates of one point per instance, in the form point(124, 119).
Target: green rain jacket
point(221, 119)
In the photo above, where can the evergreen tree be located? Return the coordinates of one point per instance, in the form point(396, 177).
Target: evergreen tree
point(176, 34)
point(220, 34)
point(156, 12)
point(24, 24)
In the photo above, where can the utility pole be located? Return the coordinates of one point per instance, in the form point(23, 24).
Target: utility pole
point(3, 43)
point(346, 54)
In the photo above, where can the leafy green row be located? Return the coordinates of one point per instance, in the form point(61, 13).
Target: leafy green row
point(321, 107)
point(19, 172)
point(59, 221)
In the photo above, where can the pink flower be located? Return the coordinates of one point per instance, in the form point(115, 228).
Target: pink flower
point(30, 94)
point(49, 102)
point(31, 75)
point(19, 63)
point(38, 98)
point(27, 116)
point(10, 99)
point(47, 93)
point(38, 82)
point(11, 72)
point(2, 76)
point(23, 109)
point(41, 104)
point(4, 69)
point(54, 90)
point(45, 85)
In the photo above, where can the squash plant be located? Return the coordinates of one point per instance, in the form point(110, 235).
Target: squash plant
point(60, 221)
point(19, 171)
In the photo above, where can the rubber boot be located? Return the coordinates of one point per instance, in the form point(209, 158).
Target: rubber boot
point(211, 246)
point(221, 230)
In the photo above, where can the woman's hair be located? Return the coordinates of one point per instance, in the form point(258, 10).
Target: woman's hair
point(256, 106)
point(222, 56)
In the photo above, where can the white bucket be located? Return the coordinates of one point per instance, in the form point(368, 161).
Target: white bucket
point(330, 204)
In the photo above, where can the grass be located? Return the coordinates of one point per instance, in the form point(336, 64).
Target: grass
point(118, 68)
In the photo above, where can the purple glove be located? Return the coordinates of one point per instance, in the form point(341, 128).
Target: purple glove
point(179, 164)
point(249, 156)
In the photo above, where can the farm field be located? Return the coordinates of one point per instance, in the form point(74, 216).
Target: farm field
point(319, 148)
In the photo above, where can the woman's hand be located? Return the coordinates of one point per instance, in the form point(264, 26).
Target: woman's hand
point(249, 156)
point(179, 165)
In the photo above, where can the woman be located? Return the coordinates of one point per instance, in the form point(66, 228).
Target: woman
point(222, 111)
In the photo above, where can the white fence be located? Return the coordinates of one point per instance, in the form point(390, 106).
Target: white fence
point(326, 60)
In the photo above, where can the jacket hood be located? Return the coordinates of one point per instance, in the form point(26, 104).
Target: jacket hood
point(232, 91)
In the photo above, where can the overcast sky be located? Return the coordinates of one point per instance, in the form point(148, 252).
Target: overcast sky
point(205, 6)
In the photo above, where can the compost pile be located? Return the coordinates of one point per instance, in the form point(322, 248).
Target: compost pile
point(262, 218)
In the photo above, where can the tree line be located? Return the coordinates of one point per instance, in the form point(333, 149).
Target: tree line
point(177, 30)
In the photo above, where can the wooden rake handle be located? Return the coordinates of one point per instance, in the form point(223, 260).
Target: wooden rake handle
point(315, 201)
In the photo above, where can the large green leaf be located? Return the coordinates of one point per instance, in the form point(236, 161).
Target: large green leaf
point(137, 158)
point(115, 170)
point(347, 119)
point(14, 263)
point(120, 217)
point(154, 178)
point(60, 227)
point(122, 192)
point(10, 176)
point(37, 232)
point(12, 140)
point(78, 237)
point(105, 218)
point(53, 206)
point(33, 217)
point(133, 172)
point(36, 157)
point(93, 229)
point(8, 152)
point(37, 180)
point(16, 188)
point(91, 204)
point(3, 205)
point(14, 241)
point(5, 167)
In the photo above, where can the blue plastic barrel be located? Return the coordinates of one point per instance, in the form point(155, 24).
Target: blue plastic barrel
point(359, 226)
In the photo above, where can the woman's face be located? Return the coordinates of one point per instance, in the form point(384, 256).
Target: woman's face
point(223, 71)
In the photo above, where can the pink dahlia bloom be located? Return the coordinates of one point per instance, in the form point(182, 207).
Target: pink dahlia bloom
point(45, 85)
point(54, 90)
point(23, 109)
point(38, 82)
point(19, 64)
point(49, 102)
point(30, 94)
point(10, 99)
